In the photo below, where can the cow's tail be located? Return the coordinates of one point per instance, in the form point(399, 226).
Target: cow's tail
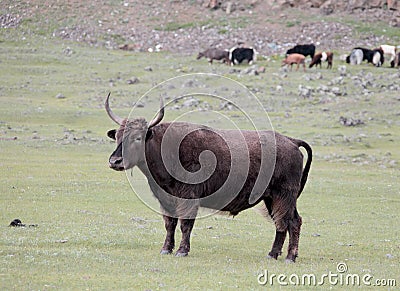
point(306, 146)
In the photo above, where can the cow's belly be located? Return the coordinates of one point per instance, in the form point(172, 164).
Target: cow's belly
point(239, 203)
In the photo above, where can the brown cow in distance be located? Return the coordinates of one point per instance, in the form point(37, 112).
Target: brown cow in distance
point(322, 57)
point(291, 59)
point(237, 169)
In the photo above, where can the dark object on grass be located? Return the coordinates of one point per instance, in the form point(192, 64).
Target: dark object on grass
point(16, 223)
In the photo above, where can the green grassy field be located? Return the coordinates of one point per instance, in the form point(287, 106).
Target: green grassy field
point(94, 233)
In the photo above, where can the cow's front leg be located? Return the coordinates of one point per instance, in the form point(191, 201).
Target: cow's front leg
point(186, 228)
point(170, 226)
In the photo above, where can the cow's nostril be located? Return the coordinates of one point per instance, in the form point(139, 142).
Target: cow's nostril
point(116, 161)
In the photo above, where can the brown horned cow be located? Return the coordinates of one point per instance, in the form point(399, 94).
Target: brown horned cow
point(233, 155)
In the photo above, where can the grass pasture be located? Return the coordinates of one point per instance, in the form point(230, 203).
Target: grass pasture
point(94, 233)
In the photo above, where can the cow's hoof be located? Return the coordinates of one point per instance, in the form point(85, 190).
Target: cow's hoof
point(275, 257)
point(165, 252)
point(179, 254)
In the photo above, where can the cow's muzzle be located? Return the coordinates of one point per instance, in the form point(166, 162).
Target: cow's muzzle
point(116, 162)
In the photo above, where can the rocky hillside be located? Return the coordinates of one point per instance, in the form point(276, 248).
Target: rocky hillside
point(339, 5)
point(189, 26)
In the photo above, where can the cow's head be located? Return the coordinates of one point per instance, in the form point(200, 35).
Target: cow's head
point(130, 138)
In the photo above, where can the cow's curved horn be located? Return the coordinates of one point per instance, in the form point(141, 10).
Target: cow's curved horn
point(112, 115)
point(159, 116)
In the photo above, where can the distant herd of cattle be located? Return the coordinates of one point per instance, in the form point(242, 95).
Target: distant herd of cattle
point(298, 53)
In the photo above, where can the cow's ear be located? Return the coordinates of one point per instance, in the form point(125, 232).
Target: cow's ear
point(111, 134)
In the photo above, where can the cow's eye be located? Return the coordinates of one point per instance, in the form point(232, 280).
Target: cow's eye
point(137, 139)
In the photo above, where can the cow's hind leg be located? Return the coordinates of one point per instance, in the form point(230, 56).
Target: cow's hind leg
point(278, 244)
point(284, 213)
point(276, 211)
point(294, 225)
point(170, 226)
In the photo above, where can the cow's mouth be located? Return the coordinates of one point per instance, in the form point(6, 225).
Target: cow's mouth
point(116, 167)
